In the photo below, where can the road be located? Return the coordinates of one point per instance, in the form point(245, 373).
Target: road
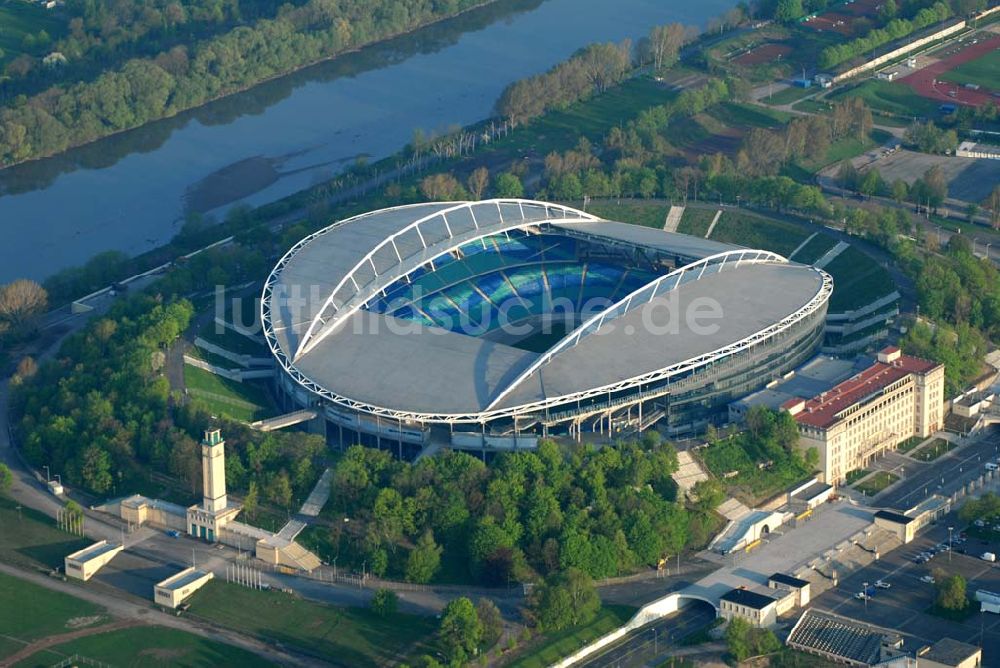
point(646, 644)
point(945, 475)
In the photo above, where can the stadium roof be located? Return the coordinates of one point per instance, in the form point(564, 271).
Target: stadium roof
point(311, 309)
point(843, 639)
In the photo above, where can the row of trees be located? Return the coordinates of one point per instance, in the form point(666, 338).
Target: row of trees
point(895, 29)
point(145, 89)
point(602, 512)
point(593, 70)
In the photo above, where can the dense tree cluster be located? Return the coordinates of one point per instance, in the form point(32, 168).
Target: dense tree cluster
point(603, 512)
point(893, 30)
point(101, 412)
point(744, 641)
point(145, 89)
point(593, 70)
point(929, 138)
point(950, 591)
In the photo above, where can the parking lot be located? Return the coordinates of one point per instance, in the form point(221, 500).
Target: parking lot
point(904, 607)
point(969, 179)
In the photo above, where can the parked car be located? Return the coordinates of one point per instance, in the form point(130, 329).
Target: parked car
point(988, 556)
point(929, 579)
point(882, 584)
point(174, 533)
point(861, 596)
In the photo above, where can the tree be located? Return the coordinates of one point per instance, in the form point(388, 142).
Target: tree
point(461, 630)
point(6, 479)
point(478, 180)
point(385, 602)
point(937, 186)
point(871, 183)
point(490, 620)
point(900, 191)
point(566, 599)
point(665, 43)
point(992, 202)
point(709, 494)
point(95, 469)
point(279, 491)
point(424, 559)
point(250, 500)
point(509, 185)
point(788, 10)
point(847, 176)
point(951, 594)
point(738, 638)
point(21, 303)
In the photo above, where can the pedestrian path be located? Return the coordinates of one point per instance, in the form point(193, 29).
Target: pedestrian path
point(831, 254)
point(673, 218)
point(802, 245)
point(711, 227)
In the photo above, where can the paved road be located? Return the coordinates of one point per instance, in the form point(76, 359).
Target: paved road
point(655, 639)
point(944, 476)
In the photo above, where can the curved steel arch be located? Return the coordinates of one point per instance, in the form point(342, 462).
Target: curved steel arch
point(330, 313)
point(637, 298)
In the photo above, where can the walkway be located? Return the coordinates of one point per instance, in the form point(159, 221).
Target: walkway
point(718, 214)
point(829, 256)
point(673, 218)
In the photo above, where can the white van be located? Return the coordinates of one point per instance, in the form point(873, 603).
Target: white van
point(990, 466)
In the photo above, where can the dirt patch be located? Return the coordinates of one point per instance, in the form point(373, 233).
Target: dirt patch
point(842, 24)
point(764, 53)
point(926, 84)
point(727, 141)
point(164, 653)
point(81, 622)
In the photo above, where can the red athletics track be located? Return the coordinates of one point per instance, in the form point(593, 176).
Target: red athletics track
point(922, 81)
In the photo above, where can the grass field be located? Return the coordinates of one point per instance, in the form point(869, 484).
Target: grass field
point(891, 97)
point(29, 612)
point(754, 232)
point(555, 646)
point(342, 636)
point(30, 539)
point(855, 475)
point(696, 221)
point(876, 483)
point(933, 450)
point(233, 342)
point(983, 71)
point(560, 130)
point(221, 396)
point(18, 19)
point(909, 444)
point(148, 646)
point(814, 249)
point(735, 114)
point(636, 212)
point(788, 95)
point(858, 280)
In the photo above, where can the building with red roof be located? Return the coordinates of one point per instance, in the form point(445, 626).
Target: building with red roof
point(892, 400)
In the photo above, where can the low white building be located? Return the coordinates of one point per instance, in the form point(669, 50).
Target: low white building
point(171, 592)
point(83, 564)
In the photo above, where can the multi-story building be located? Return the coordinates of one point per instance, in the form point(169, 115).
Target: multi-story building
point(894, 399)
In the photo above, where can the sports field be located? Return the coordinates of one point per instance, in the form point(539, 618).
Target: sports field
point(934, 83)
point(983, 72)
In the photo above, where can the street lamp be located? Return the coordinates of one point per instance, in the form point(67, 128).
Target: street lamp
point(47, 476)
point(950, 529)
point(865, 593)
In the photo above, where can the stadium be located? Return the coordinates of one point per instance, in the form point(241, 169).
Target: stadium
point(486, 325)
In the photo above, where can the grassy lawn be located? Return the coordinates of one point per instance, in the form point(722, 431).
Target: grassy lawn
point(815, 248)
point(876, 483)
point(788, 95)
point(909, 444)
point(637, 212)
point(739, 114)
point(240, 401)
point(983, 71)
point(696, 221)
point(858, 280)
point(754, 232)
point(933, 450)
point(560, 130)
point(891, 97)
point(342, 636)
point(232, 341)
point(555, 646)
point(856, 475)
point(148, 646)
point(18, 19)
point(29, 612)
point(30, 539)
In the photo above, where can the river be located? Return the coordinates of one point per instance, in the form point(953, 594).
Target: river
point(130, 192)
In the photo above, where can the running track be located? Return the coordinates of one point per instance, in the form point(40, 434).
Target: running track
point(922, 81)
